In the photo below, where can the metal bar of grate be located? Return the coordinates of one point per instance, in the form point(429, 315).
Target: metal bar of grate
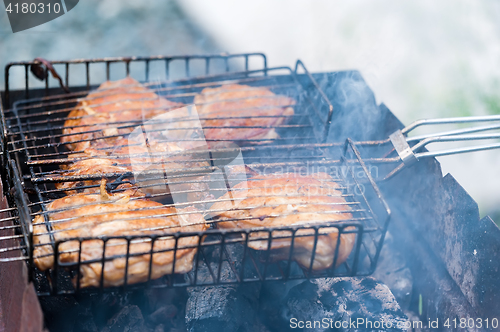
point(57, 100)
point(109, 61)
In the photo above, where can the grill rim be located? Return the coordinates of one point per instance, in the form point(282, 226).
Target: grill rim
point(127, 60)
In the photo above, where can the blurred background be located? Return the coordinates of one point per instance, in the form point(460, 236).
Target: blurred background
point(423, 59)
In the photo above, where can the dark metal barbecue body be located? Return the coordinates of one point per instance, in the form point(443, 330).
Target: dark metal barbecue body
point(33, 156)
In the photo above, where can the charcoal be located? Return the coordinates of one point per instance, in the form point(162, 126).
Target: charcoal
point(221, 308)
point(413, 317)
point(330, 301)
point(393, 271)
point(85, 321)
point(282, 301)
point(166, 312)
point(158, 297)
point(128, 319)
point(160, 328)
point(226, 308)
point(164, 306)
point(61, 312)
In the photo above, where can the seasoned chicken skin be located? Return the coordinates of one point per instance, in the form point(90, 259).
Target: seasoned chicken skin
point(97, 166)
point(113, 110)
point(94, 215)
point(235, 105)
point(132, 158)
point(289, 200)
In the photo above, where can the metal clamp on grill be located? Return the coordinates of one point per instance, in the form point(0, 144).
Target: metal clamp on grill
point(410, 154)
point(406, 151)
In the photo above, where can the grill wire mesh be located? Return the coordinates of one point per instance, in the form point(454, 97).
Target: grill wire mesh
point(35, 157)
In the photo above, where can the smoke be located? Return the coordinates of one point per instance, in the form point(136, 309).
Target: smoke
point(95, 29)
point(355, 112)
point(421, 58)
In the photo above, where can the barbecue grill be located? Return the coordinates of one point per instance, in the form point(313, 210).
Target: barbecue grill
point(435, 225)
point(34, 154)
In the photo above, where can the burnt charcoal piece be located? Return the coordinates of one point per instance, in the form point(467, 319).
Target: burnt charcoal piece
point(141, 310)
point(165, 307)
point(160, 328)
point(74, 313)
point(85, 321)
point(330, 301)
point(163, 313)
point(222, 308)
point(128, 319)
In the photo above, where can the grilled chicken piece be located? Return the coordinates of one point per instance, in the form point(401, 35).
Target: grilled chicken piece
point(113, 110)
point(125, 147)
point(95, 166)
point(235, 105)
point(289, 200)
point(131, 161)
point(95, 215)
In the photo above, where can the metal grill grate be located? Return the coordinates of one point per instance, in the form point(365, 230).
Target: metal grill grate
point(34, 155)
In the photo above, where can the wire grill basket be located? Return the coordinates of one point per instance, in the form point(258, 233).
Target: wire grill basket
point(34, 155)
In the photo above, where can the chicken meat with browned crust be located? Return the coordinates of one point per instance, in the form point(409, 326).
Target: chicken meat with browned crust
point(157, 168)
point(112, 111)
point(226, 111)
point(91, 216)
point(289, 200)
